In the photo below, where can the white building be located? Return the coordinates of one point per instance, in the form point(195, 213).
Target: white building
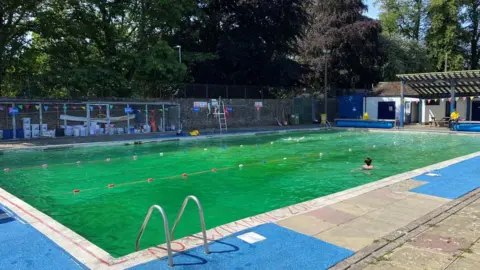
point(384, 103)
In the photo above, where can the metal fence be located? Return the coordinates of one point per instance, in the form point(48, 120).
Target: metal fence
point(32, 86)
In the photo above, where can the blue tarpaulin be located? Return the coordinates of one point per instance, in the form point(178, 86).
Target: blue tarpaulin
point(350, 107)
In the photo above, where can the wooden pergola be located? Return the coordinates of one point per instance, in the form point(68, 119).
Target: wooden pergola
point(440, 85)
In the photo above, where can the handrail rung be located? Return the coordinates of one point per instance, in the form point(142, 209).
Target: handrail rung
point(165, 225)
point(202, 220)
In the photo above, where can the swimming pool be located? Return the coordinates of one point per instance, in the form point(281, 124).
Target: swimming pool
point(278, 170)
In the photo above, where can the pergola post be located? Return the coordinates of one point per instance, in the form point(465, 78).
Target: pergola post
point(452, 96)
point(402, 103)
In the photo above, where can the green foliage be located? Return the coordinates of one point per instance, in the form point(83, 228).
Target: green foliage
point(445, 35)
point(403, 17)
point(353, 39)
point(402, 56)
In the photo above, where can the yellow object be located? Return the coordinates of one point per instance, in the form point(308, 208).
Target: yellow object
point(195, 133)
point(365, 116)
point(454, 116)
point(323, 118)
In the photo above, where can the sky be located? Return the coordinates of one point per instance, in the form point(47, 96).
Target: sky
point(372, 9)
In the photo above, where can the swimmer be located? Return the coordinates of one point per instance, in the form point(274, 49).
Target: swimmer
point(368, 164)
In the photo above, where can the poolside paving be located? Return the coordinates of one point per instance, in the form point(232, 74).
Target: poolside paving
point(453, 243)
point(355, 223)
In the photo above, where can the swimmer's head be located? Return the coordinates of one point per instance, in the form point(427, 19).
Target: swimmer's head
point(368, 161)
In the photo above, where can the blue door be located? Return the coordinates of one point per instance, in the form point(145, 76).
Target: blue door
point(476, 111)
point(386, 110)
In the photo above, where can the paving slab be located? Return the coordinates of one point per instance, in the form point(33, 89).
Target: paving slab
point(464, 264)
point(411, 257)
point(306, 224)
point(406, 185)
point(331, 215)
point(440, 243)
point(458, 227)
point(356, 234)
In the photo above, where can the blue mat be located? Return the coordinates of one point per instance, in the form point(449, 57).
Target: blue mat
point(453, 181)
point(23, 247)
point(282, 249)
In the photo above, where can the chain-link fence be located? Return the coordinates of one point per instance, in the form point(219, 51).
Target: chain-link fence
point(29, 119)
point(32, 86)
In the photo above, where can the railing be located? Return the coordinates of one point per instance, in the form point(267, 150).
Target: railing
point(169, 236)
point(165, 225)
point(202, 220)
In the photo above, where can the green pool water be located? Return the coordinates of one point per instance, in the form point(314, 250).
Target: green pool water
point(111, 218)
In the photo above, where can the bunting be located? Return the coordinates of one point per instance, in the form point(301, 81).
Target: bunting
point(20, 106)
point(37, 107)
point(45, 108)
point(27, 106)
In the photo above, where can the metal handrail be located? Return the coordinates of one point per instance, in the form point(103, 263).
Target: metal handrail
point(165, 225)
point(202, 220)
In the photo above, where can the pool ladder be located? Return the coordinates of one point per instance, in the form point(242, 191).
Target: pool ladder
point(170, 235)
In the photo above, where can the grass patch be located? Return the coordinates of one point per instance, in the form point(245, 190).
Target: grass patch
point(466, 250)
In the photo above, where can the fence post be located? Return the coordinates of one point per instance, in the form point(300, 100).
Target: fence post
point(14, 124)
point(89, 124)
point(40, 117)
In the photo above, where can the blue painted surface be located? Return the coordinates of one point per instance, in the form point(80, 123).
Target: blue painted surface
point(350, 107)
point(454, 181)
point(364, 124)
point(467, 127)
point(23, 247)
point(283, 249)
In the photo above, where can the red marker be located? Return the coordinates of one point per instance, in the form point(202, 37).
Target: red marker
point(184, 175)
point(76, 190)
point(149, 180)
point(111, 185)
point(214, 170)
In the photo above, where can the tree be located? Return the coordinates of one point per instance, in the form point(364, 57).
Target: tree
point(472, 27)
point(108, 48)
point(445, 37)
point(16, 20)
point(252, 42)
point(403, 17)
point(353, 39)
point(402, 56)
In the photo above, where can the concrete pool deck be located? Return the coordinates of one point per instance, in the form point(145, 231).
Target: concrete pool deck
point(354, 219)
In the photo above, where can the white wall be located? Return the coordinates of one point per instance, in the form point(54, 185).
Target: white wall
point(372, 105)
point(439, 110)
